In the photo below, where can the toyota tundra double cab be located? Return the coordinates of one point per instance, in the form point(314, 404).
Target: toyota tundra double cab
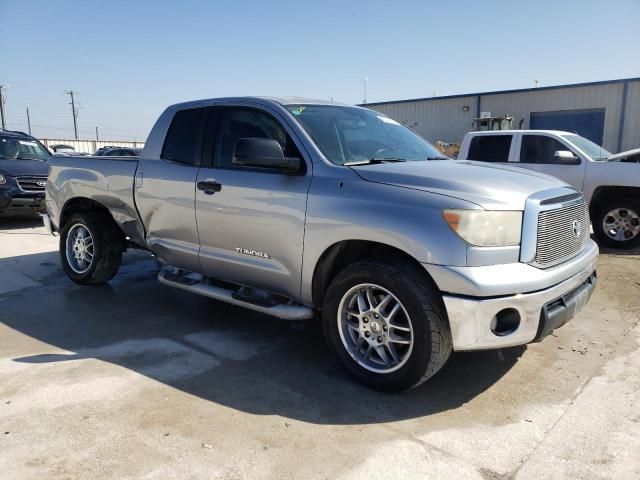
point(295, 207)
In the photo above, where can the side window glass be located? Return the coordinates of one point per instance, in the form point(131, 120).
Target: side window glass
point(539, 149)
point(182, 137)
point(237, 123)
point(490, 148)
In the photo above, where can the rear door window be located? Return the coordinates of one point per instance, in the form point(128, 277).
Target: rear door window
point(490, 148)
point(539, 149)
point(182, 139)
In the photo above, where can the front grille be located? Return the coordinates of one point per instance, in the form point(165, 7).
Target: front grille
point(562, 233)
point(34, 183)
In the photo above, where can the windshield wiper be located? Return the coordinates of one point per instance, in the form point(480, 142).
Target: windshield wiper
point(374, 161)
point(437, 158)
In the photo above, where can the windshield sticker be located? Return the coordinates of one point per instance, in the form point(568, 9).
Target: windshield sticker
point(388, 120)
point(30, 144)
point(298, 110)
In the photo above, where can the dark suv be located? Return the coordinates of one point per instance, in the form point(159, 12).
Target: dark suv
point(23, 174)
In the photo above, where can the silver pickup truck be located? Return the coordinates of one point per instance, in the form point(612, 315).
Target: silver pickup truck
point(291, 207)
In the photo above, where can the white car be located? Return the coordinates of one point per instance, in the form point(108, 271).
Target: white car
point(611, 183)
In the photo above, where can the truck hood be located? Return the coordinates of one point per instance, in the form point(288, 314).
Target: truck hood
point(493, 187)
point(628, 156)
point(15, 168)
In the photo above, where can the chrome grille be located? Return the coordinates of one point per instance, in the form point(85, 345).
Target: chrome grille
point(35, 183)
point(557, 239)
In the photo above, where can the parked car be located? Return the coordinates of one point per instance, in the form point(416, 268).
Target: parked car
point(611, 183)
point(121, 152)
point(101, 150)
point(61, 148)
point(291, 207)
point(23, 174)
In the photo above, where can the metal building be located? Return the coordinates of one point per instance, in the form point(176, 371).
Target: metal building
point(607, 112)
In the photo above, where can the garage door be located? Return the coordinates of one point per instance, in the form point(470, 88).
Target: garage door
point(588, 123)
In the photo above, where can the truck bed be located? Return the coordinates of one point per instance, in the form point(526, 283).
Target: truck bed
point(109, 181)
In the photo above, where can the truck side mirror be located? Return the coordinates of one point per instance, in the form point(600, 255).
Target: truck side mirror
point(263, 153)
point(565, 157)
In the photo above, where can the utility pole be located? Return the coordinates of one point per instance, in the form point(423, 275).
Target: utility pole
point(97, 137)
point(2, 102)
point(71, 93)
point(28, 121)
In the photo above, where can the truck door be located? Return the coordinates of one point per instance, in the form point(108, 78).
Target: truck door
point(165, 192)
point(251, 221)
point(537, 152)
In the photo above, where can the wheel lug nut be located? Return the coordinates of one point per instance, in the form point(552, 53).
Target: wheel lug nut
point(365, 320)
point(385, 328)
point(375, 315)
point(367, 334)
point(379, 339)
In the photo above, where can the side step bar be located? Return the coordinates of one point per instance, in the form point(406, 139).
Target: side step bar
point(195, 285)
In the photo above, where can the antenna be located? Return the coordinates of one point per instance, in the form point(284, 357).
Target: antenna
point(365, 89)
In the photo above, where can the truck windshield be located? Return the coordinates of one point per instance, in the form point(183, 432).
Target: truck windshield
point(350, 135)
point(595, 151)
point(13, 148)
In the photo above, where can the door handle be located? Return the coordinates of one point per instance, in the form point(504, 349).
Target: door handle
point(209, 186)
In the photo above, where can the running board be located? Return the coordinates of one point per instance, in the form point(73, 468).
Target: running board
point(191, 283)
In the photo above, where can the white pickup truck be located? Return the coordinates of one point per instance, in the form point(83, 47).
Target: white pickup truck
point(611, 183)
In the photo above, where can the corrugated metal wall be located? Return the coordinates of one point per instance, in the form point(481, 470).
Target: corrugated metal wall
point(438, 119)
point(520, 105)
point(448, 119)
point(631, 131)
point(89, 146)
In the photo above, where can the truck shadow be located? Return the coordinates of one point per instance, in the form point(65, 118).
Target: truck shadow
point(243, 360)
point(20, 223)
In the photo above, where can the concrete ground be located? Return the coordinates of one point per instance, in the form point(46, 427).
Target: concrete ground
point(138, 380)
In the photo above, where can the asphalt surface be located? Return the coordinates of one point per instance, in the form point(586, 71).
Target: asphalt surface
point(138, 380)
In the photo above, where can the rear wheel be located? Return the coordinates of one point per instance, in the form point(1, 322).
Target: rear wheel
point(385, 322)
point(616, 223)
point(90, 247)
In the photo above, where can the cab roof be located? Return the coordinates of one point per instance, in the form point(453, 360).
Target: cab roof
point(499, 132)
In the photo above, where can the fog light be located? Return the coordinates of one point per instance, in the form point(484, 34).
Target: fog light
point(505, 322)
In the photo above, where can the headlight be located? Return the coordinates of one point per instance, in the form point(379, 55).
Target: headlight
point(3, 180)
point(486, 228)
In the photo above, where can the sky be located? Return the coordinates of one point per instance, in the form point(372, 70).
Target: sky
point(128, 60)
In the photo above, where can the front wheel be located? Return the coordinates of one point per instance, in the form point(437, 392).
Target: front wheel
point(90, 247)
point(385, 322)
point(616, 223)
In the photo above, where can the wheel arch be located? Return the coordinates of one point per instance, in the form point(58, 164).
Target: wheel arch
point(346, 252)
point(606, 192)
point(84, 204)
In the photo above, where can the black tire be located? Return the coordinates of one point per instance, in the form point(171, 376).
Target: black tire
point(423, 303)
point(600, 212)
point(107, 247)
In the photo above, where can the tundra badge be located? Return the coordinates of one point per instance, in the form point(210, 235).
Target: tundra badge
point(255, 253)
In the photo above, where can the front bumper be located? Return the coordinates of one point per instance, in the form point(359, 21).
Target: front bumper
point(14, 202)
point(540, 309)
